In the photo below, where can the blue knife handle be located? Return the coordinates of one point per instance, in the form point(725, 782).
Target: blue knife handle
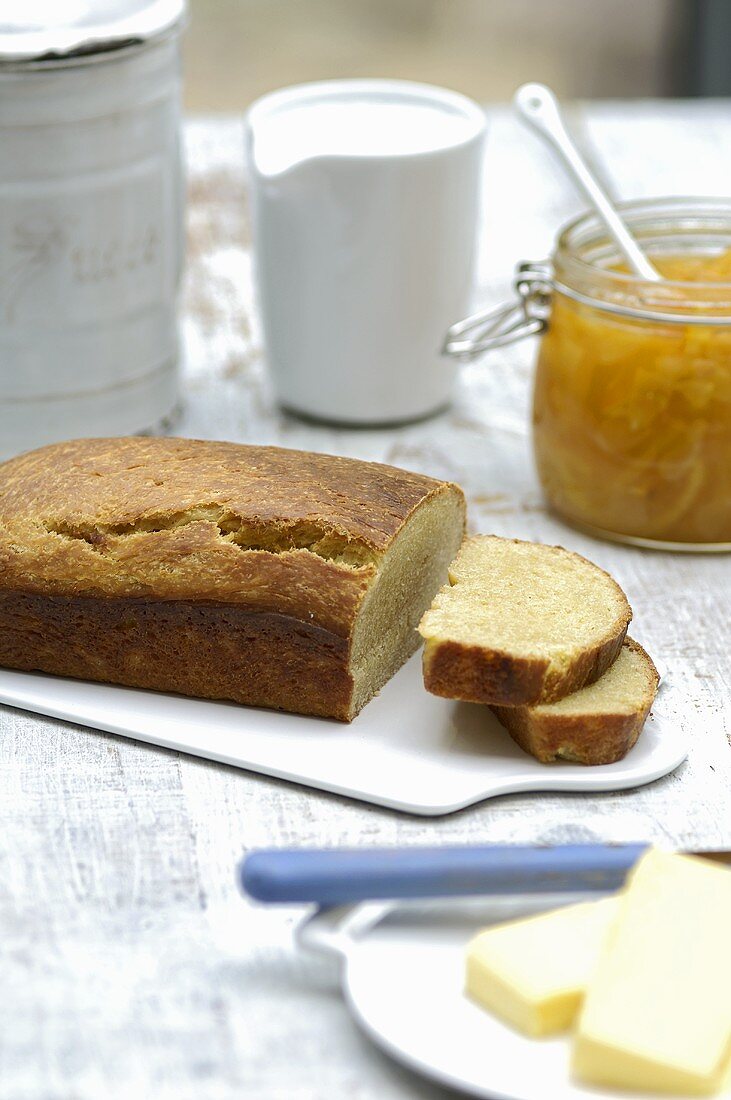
point(341, 876)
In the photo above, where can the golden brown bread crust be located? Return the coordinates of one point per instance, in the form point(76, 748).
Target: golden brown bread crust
point(475, 675)
point(292, 540)
point(589, 738)
point(122, 480)
point(580, 741)
point(205, 650)
point(182, 519)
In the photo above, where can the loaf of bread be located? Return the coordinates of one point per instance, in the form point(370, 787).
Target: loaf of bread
point(265, 576)
point(521, 623)
point(598, 724)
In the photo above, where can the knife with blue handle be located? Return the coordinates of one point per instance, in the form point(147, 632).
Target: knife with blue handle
point(342, 876)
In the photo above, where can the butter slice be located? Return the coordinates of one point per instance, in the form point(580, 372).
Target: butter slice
point(657, 1014)
point(532, 973)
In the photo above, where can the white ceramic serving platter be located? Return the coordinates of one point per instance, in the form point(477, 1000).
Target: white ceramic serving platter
point(403, 982)
point(406, 750)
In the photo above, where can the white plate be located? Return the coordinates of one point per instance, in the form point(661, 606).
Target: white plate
point(407, 749)
point(403, 982)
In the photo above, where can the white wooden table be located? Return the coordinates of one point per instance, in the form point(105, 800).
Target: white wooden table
point(129, 965)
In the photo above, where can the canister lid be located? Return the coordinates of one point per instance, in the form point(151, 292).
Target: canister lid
point(58, 31)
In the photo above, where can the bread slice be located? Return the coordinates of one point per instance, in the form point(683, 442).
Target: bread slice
point(521, 623)
point(598, 724)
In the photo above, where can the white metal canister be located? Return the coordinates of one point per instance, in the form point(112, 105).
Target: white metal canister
point(91, 219)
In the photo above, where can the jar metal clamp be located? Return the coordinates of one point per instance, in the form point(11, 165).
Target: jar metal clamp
point(528, 316)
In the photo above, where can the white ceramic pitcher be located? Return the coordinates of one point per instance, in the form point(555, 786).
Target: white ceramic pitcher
point(365, 199)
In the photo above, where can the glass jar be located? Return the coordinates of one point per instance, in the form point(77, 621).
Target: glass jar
point(632, 396)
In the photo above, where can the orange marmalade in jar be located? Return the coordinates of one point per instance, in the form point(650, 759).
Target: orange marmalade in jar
point(632, 398)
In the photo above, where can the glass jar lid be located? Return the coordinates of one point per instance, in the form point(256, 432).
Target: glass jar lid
point(54, 32)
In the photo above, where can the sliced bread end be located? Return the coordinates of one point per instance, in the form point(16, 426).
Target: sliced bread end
point(598, 724)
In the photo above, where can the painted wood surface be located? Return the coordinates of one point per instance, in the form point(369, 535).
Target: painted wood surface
point(130, 966)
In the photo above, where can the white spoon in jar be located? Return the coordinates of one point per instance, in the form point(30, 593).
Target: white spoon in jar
point(538, 106)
